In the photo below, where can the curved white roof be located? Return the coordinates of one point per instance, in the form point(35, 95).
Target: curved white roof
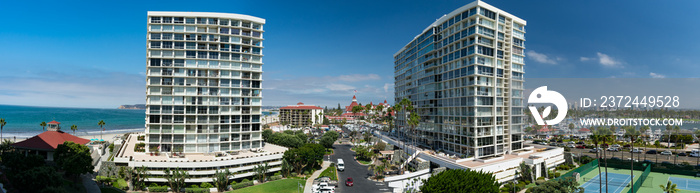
point(207, 14)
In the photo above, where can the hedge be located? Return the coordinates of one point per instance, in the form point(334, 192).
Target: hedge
point(241, 185)
point(197, 190)
point(158, 189)
point(277, 177)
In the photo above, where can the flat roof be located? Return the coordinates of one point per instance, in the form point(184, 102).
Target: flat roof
point(445, 17)
point(206, 14)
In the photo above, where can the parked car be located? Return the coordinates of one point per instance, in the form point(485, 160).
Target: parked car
point(616, 146)
point(613, 149)
point(615, 158)
point(666, 163)
point(628, 145)
point(581, 147)
point(636, 150)
point(571, 146)
point(553, 144)
point(348, 182)
point(682, 154)
point(695, 153)
point(580, 143)
point(667, 152)
point(572, 142)
point(594, 150)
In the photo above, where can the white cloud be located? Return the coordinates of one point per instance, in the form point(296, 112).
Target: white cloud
point(655, 75)
point(339, 87)
point(542, 58)
point(358, 77)
point(388, 86)
point(608, 61)
point(604, 60)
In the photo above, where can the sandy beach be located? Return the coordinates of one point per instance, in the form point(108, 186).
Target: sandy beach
point(107, 136)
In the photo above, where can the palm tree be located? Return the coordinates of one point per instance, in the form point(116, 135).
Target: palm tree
point(596, 137)
point(2, 125)
point(605, 135)
point(73, 128)
point(632, 133)
point(101, 123)
point(43, 126)
point(670, 187)
point(260, 171)
point(643, 130)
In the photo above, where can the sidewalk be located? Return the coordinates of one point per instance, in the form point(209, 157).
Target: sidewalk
point(310, 181)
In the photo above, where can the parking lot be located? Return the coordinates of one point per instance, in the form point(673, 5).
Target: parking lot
point(625, 154)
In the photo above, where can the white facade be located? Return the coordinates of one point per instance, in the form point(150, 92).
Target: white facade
point(464, 75)
point(204, 77)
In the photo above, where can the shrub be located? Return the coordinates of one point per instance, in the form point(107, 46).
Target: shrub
point(556, 175)
point(294, 174)
point(158, 189)
point(276, 177)
point(241, 185)
point(245, 180)
point(197, 190)
point(111, 147)
point(306, 173)
point(206, 185)
point(278, 173)
point(540, 181)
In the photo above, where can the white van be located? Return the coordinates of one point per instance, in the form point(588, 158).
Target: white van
point(695, 153)
point(341, 165)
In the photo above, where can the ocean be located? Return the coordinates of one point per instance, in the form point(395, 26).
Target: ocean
point(23, 121)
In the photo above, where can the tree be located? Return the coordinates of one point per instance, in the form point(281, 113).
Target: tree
point(73, 128)
point(632, 133)
point(308, 155)
point(669, 188)
point(286, 167)
point(2, 125)
point(260, 171)
point(460, 181)
point(176, 178)
point(139, 179)
point(73, 158)
point(596, 137)
point(221, 180)
point(526, 172)
point(36, 179)
point(605, 135)
point(43, 126)
point(568, 185)
point(6, 146)
point(266, 134)
point(327, 141)
point(101, 123)
point(356, 109)
point(643, 130)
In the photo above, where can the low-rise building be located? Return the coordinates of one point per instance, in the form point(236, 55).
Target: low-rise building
point(301, 115)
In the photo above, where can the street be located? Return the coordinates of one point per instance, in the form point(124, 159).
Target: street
point(359, 173)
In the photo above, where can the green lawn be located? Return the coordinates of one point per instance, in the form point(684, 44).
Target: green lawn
point(364, 162)
point(119, 183)
point(330, 172)
point(279, 186)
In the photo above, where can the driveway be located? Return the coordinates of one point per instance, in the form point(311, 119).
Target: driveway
point(359, 173)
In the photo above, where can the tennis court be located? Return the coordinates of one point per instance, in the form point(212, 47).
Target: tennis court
point(616, 183)
point(685, 183)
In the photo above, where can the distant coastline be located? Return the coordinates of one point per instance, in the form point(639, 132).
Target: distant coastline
point(136, 106)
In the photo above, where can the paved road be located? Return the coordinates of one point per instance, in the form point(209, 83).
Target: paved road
point(359, 173)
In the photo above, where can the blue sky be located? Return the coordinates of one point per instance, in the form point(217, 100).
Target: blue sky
point(92, 54)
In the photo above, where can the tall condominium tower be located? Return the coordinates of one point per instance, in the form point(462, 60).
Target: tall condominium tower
point(204, 74)
point(464, 76)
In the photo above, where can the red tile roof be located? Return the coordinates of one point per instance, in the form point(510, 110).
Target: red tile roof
point(54, 122)
point(584, 130)
point(352, 114)
point(49, 140)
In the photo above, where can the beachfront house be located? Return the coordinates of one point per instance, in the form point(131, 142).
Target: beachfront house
point(46, 143)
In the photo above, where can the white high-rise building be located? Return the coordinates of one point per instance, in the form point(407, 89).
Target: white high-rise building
point(204, 74)
point(464, 75)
